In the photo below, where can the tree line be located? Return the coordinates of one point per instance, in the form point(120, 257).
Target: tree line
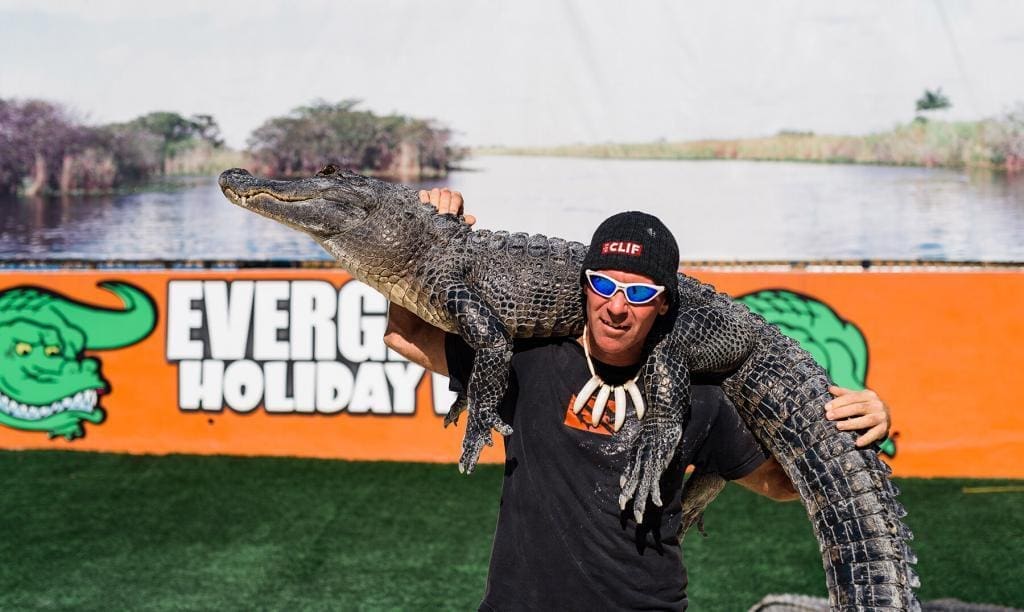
point(44, 148)
point(300, 142)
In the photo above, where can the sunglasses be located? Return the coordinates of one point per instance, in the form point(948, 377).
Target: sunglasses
point(636, 293)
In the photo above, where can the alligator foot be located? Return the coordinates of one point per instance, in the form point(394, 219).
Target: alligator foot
point(699, 491)
point(655, 446)
point(478, 433)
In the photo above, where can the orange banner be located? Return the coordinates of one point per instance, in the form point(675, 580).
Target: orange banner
point(291, 361)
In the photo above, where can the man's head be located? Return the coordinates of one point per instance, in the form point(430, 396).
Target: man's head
point(630, 247)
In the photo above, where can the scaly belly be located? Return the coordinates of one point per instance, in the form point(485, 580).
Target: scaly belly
point(412, 296)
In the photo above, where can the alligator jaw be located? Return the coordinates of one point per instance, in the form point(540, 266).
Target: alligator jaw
point(321, 206)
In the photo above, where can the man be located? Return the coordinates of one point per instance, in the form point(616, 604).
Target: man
point(562, 542)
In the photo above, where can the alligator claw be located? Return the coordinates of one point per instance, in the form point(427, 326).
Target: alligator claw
point(457, 407)
point(655, 447)
point(478, 434)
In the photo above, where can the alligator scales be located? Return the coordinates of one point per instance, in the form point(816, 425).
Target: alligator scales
point(491, 287)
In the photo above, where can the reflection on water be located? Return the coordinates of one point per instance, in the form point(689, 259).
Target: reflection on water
point(722, 210)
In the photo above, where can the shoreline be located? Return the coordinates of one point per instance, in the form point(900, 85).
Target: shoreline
point(994, 145)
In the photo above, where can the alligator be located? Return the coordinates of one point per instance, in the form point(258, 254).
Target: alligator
point(492, 286)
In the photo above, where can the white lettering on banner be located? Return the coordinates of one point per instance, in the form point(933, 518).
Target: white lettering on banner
point(404, 378)
point(243, 385)
point(359, 335)
point(200, 385)
point(182, 319)
point(443, 397)
point(269, 319)
point(289, 347)
point(334, 383)
point(313, 306)
point(228, 318)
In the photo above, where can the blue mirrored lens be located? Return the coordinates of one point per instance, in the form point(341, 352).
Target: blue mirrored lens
point(602, 286)
point(640, 294)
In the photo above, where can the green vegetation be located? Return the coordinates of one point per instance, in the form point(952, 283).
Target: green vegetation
point(931, 101)
point(44, 149)
point(993, 144)
point(98, 531)
point(302, 142)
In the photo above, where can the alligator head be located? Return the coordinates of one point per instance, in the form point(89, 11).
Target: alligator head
point(375, 229)
point(329, 203)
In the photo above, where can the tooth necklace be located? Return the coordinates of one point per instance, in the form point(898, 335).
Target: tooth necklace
point(619, 392)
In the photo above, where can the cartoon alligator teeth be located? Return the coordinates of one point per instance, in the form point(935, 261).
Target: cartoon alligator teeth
point(83, 401)
point(46, 382)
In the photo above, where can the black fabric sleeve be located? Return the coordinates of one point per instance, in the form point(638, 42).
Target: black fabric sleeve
point(459, 357)
point(730, 450)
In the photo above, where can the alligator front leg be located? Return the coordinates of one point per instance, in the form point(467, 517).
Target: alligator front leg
point(481, 328)
point(666, 383)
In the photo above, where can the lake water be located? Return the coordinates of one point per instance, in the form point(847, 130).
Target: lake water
point(719, 210)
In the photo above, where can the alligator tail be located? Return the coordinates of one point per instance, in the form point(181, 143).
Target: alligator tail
point(780, 392)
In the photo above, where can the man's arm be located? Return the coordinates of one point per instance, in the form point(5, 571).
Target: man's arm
point(858, 409)
point(409, 335)
point(416, 340)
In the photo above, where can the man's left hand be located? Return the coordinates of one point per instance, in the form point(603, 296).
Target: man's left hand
point(859, 410)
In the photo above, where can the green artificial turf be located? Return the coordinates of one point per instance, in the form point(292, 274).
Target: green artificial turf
point(95, 531)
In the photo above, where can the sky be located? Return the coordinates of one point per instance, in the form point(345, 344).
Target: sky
point(523, 72)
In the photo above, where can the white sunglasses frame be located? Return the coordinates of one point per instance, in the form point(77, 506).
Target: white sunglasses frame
point(622, 287)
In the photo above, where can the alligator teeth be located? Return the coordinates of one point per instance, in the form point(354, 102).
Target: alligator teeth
point(243, 201)
point(638, 400)
point(620, 407)
point(585, 393)
point(599, 404)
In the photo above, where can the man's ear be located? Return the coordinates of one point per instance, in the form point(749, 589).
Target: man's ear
point(663, 308)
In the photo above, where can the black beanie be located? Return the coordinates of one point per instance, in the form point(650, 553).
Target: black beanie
point(639, 243)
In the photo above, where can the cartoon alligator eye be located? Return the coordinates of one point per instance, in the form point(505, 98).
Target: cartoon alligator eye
point(22, 348)
point(51, 350)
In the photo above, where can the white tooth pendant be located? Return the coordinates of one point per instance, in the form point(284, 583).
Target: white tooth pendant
point(599, 404)
point(606, 390)
point(620, 407)
point(585, 393)
point(638, 400)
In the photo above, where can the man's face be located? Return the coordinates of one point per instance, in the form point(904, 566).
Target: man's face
point(616, 328)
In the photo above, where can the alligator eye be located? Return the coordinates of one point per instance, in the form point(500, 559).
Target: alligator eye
point(328, 170)
point(22, 348)
point(51, 350)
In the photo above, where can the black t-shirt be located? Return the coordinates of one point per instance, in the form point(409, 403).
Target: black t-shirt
point(561, 542)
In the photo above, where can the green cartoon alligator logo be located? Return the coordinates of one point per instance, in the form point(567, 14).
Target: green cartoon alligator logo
point(837, 345)
point(46, 381)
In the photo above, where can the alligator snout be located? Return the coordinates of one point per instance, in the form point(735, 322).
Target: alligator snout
point(231, 179)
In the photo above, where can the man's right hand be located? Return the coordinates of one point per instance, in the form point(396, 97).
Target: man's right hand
point(446, 201)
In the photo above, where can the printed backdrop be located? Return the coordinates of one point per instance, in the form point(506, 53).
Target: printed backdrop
point(292, 362)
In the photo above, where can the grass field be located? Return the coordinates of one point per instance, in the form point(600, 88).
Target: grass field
point(94, 531)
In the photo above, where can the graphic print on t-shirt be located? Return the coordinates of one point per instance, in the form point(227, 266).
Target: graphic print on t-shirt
point(581, 421)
